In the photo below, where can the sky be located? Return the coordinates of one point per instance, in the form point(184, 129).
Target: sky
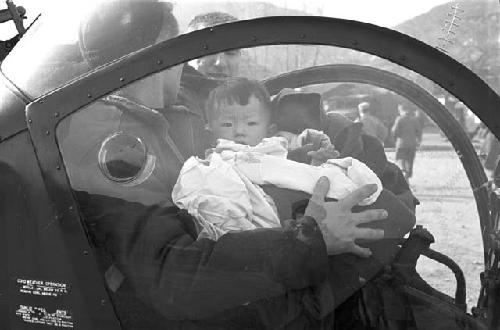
point(385, 13)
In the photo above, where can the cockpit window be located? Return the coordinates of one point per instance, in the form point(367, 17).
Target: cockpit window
point(226, 148)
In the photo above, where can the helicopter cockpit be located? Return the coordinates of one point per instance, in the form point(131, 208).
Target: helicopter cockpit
point(166, 174)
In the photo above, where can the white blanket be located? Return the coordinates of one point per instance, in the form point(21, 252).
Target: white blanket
point(222, 192)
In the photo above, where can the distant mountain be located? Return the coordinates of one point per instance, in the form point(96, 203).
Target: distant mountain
point(473, 39)
point(472, 16)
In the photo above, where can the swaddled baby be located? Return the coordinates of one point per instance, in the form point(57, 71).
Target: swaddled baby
point(223, 191)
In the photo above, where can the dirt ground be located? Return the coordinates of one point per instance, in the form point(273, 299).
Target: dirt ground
point(449, 212)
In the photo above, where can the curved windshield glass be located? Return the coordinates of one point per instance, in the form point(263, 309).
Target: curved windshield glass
point(215, 167)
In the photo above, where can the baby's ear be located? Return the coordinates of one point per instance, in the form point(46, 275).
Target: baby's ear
point(272, 130)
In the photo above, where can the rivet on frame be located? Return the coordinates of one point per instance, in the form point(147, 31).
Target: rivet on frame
point(47, 132)
point(30, 121)
point(122, 79)
point(103, 302)
point(85, 253)
point(159, 62)
point(302, 36)
point(254, 38)
point(58, 167)
point(56, 114)
point(71, 208)
point(41, 101)
point(205, 47)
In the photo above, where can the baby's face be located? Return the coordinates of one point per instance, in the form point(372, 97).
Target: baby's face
point(244, 124)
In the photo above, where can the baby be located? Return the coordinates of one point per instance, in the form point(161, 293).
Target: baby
point(241, 111)
point(223, 192)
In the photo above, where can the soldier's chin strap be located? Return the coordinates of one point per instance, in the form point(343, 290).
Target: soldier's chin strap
point(151, 116)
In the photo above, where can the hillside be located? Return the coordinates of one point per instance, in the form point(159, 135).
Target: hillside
point(473, 41)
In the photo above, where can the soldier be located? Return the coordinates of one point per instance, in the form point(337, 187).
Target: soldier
point(225, 64)
point(122, 161)
point(202, 75)
point(408, 134)
point(371, 124)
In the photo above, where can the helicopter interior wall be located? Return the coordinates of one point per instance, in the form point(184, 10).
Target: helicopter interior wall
point(15, 215)
point(32, 247)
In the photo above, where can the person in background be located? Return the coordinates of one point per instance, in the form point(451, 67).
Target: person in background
point(225, 64)
point(408, 133)
point(371, 124)
point(199, 77)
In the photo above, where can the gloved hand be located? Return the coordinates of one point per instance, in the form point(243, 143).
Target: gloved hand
point(338, 224)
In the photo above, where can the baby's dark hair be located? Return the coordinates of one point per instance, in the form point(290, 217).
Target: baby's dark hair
point(238, 91)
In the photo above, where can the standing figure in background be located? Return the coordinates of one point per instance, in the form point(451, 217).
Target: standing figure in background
point(408, 134)
point(371, 124)
point(220, 65)
point(198, 78)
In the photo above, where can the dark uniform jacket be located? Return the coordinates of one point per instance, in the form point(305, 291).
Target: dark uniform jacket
point(252, 278)
point(407, 131)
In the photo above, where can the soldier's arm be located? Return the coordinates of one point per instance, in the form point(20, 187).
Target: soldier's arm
point(158, 252)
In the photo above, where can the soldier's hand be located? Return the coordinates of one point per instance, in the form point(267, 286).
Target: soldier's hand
point(338, 224)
